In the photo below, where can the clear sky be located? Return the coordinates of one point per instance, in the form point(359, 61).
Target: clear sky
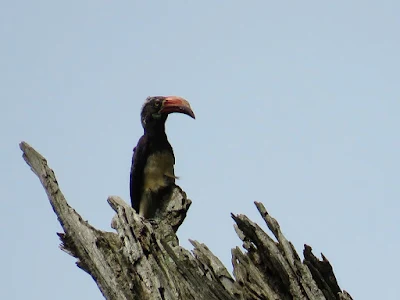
point(297, 106)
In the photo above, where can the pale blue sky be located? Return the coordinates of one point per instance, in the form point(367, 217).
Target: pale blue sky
point(297, 106)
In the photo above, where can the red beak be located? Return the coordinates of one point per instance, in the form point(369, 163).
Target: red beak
point(177, 104)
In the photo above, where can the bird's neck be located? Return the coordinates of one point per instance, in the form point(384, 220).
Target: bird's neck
point(157, 130)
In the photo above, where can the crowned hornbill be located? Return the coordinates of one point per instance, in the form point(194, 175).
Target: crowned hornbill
point(152, 171)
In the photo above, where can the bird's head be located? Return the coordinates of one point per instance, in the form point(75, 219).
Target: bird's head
point(157, 108)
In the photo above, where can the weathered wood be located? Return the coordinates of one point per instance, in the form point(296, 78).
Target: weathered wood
point(142, 259)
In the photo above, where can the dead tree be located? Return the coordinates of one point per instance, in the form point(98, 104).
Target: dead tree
point(143, 260)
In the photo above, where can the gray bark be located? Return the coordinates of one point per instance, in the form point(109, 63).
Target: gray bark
point(142, 259)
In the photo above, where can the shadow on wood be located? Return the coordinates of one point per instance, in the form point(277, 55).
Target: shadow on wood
point(143, 260)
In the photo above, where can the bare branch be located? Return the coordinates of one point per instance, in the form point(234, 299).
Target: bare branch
point(143, 259)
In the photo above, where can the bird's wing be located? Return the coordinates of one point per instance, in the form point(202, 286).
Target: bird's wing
point(136, 178)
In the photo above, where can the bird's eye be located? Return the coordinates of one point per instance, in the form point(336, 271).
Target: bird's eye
point(157, 103)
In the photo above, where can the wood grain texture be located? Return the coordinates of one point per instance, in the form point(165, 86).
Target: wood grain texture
point(142, 259)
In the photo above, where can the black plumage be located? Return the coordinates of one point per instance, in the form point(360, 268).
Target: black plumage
point(152, 171)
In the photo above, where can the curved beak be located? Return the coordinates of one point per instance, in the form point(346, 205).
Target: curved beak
point(177, 104)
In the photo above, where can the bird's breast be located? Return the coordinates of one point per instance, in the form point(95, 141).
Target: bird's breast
point(159, 171)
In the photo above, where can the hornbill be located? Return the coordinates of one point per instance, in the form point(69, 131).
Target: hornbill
point(152, 171)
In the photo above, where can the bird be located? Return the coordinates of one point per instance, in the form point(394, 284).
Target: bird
point(152, 171)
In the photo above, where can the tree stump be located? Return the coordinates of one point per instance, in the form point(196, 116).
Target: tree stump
point(142, 259)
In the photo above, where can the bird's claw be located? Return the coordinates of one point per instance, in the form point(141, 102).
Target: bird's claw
point(153, 222)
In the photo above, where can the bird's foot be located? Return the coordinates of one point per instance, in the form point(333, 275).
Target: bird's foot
point(153, 222)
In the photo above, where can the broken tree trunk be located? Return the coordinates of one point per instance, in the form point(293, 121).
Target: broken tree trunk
point(143, 260)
